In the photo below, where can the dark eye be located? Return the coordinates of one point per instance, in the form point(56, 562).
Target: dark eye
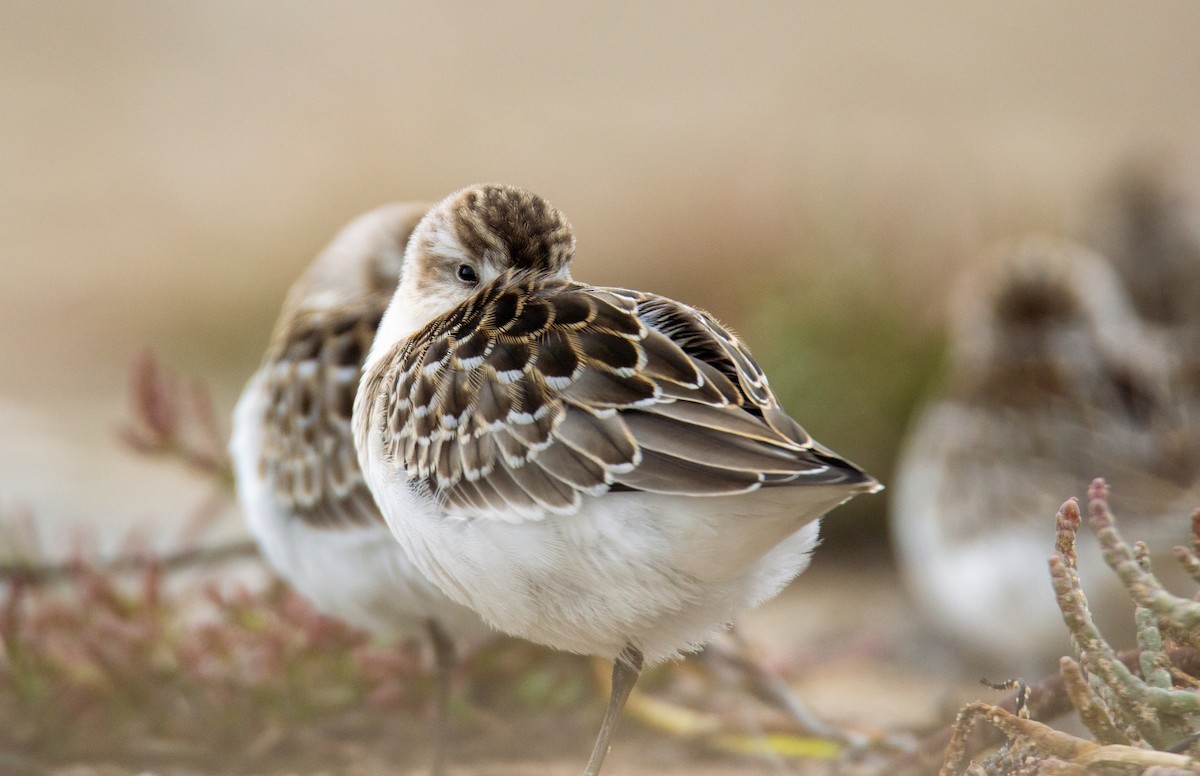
point(466, 273)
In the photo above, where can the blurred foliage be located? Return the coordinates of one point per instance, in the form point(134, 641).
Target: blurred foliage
point(851, 361)
point(102, 666)
point(97, 663)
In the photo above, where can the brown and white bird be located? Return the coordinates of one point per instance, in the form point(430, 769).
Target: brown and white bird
point(1052, 382)
point(298, 478)
point(599, 470)
point(1148, 223)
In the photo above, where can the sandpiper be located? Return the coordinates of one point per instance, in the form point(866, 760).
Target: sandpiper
point(599, 470)
point(298, 477)
point(1052, 382)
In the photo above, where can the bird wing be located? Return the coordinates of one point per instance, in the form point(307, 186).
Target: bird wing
point(310, 379)
point(533, 394)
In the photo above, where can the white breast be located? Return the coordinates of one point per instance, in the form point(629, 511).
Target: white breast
point(661, 572)
point(357, 573)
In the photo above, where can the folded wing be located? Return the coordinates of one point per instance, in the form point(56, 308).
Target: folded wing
point(308, 454)
point(536, 394)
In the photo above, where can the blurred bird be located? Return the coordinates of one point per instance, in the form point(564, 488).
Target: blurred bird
point(599, 470)
point(1148, 222)
point(298, 478)
point(1052, 382)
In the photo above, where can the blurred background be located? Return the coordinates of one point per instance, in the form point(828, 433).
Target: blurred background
point(814, 174)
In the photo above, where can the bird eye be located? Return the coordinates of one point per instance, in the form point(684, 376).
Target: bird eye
point(466, 273)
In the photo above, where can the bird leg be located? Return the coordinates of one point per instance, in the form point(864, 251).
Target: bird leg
point(626, 669)
point(443, 655)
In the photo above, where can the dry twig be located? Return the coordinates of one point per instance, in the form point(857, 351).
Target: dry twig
point(174, 420)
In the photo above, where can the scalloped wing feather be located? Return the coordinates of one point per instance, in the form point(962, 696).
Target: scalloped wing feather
point(308, 451)
point(534, 394)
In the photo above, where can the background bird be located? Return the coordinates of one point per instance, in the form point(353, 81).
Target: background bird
point(298, 478)
point(1052, 381)
point(1148, 223)
point(599, 470)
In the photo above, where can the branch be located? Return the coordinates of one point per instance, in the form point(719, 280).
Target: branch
point(172, 421)
point(43, 573)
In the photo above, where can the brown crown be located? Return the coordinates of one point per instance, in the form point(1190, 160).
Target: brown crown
point(1037, 302)
point(531, 233)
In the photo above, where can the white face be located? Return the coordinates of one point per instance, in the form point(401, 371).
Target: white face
point(440, 272)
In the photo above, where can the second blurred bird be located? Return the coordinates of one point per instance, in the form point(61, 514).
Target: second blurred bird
point(298, 477)
point(1148, 222)
point(1053, 380)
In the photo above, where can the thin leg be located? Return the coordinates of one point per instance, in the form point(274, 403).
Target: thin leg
point(443, 655)
point(626, 669)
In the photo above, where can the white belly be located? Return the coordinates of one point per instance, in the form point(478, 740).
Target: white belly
point(358, 573)
point(663, 573)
